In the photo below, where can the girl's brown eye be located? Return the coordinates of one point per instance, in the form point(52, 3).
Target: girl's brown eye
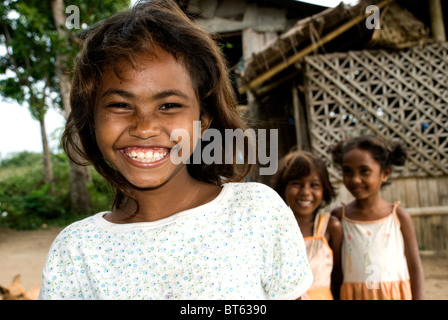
point(168, 106)
point(119, 105)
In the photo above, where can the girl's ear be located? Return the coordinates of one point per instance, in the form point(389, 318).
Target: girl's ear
point(385, 174)
point(206, 121)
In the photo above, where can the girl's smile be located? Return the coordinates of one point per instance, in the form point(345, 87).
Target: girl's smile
point(146, 155)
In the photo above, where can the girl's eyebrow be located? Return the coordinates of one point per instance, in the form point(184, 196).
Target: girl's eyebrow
point(124, 94)
point(169, 93)
point(157, 96)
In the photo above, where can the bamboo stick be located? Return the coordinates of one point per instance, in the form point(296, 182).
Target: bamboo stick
point(437, 24)
point(428, 211)
point(296, 104)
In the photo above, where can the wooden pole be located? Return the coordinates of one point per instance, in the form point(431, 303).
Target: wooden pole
point(295, 99)
point(299, 55)
point(428, 211)
point(437, 24)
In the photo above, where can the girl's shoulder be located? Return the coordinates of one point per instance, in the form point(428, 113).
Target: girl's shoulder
point(400, 211)
point(334, 227)
point(247, 186)
point(403, 216)
point(334, 224)
point(250, 189)
point(256, 197)
point(78, 230)
point(337, 213)
point(334, 234)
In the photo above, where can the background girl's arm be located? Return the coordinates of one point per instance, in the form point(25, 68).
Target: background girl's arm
point(412, 255)
point(337, 212)
point(335, 231)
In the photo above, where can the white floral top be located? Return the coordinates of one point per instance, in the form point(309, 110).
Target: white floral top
point(244, 244)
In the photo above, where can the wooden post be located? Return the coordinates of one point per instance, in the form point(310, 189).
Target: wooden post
point(296, 105)
point(437, 24)
point(254, 42)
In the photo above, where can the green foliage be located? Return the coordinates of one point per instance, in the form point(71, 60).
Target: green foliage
point(32, 42)
point(27, 203)
point(33, 48)
point(21, 159)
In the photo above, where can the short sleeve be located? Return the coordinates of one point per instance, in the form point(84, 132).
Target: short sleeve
point(286, 271)
point(59, 280)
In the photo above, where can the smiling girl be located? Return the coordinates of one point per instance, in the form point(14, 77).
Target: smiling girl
point(380, 257)
point(302, 181)
point(176, 230)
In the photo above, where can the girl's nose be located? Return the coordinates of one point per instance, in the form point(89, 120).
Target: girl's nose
point(355, 178)
point(305, 190)
point(144, 127)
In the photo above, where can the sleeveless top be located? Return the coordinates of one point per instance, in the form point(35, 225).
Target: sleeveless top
point(320, 257)
point(373, 260)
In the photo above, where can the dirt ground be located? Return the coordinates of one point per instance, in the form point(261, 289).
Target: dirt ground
point(24, 252)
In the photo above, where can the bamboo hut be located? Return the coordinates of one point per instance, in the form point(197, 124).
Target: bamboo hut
point(318, 75)
point(330, 77)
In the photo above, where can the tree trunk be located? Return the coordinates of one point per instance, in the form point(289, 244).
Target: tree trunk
point(79, 195)
point(58, 9)
point(48, 171)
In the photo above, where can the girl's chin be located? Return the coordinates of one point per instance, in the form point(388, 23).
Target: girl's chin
point(146, 186)
point(143, 180)
point(149, 183)
point(304, 211)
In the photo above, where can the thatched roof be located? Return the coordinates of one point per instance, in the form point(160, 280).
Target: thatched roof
point(335, 29)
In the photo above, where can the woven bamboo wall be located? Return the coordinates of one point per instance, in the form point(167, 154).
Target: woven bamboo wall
point(398, 95)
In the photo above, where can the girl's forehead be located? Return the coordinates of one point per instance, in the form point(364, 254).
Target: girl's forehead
point(138, 61)
point(155, 72)
point(311, 175)
point(357, 155)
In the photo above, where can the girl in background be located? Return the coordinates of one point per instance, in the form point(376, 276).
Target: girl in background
point(380, 257)
point(302, 181)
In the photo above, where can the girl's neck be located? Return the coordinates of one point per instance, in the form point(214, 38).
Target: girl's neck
point(368, 202)
point(371, 208)
point(166, 200)
point(306, 224)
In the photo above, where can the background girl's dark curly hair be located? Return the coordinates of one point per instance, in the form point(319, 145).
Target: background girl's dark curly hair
point(127, 36)
point(299, 164)
point(387, 154)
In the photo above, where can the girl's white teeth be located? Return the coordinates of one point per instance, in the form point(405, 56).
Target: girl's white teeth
point(146, 156)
